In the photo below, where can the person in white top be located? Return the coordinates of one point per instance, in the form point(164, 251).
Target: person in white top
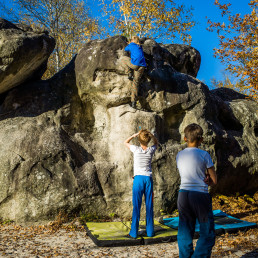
point(142, 183)
point(194, 202)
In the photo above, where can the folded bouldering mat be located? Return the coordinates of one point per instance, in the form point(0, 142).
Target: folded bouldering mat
point(115, 233)
point(224, 223)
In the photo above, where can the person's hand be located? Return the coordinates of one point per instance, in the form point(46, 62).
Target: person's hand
point(207, 179)
point(136, 134)
point(151, 135)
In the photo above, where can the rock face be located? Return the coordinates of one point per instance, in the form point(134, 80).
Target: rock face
point(62, 139)
point(184, 59)
point(23, 54)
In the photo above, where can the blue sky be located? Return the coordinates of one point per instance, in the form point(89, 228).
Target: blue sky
point(206, 41)
point(202, 40)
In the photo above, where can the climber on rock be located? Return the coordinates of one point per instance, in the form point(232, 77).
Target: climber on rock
point(142, 183)
point(134, 66)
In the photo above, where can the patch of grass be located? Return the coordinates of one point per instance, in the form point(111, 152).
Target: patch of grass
point(113, 215)
point(6, 221)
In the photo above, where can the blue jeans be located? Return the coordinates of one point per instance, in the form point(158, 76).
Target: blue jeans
point(142, 185)
point(191, 206)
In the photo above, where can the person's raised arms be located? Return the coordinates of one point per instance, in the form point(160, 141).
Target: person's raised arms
point(127, 141)
point(154, 139)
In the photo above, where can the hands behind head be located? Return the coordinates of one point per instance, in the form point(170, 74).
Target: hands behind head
point(137, 134)
point(150, 134)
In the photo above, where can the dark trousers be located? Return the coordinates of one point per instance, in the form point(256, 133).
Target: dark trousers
point(191, 206)
point(138, 72)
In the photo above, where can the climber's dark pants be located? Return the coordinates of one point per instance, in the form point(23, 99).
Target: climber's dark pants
point(138, 71)
point(191, 206)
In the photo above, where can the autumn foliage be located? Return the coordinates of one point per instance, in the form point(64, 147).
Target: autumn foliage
point(162, 19)
point(67, 21)
point(238, 44)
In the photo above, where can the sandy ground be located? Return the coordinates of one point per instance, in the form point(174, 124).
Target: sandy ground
point(72, 241)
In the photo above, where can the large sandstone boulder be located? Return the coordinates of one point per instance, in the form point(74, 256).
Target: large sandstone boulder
point(184, 59)
point(23, 54)
point(62, 139)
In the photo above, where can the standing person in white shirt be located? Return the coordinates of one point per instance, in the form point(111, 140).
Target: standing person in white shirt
point(194, 201)
point(143, 183)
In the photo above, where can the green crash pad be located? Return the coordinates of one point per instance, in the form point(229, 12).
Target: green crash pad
point(115, 233)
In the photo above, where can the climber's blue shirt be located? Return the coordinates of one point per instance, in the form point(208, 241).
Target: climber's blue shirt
point(137, 56)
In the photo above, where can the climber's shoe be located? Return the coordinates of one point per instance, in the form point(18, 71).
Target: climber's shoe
point(133, 104)
point(130, 76)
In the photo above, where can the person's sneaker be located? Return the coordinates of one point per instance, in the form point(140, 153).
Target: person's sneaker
point(133, 104)
point(130, 76)
point(128, 236)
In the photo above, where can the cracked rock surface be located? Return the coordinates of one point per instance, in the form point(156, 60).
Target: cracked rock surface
point(23, 54)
